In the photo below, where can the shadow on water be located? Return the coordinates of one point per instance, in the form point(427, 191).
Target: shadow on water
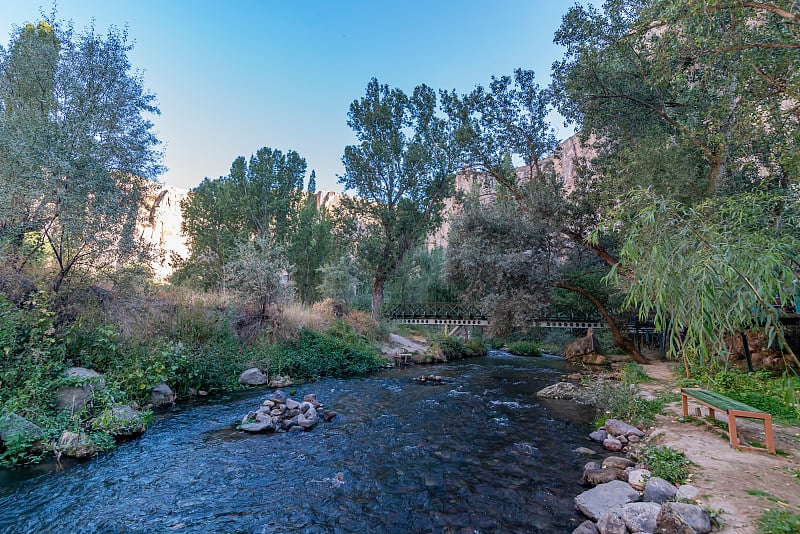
point(478, 453)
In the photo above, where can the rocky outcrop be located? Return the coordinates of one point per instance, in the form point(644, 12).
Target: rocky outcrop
point(76, 445)
point(279, 413)
point(585, 350)
point(561, 390)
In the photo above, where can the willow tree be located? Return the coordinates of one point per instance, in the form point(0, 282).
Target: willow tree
point(692, 110)
point(76, 147)
point(401, 171)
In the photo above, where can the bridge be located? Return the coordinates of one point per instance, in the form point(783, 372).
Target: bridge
point(454, 314)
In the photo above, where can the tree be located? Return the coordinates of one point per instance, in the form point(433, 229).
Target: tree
point(259, 275)
point(75, 146)
point(401, 172)
point(692, 109)
point(312, 246)
point(261, 197)
point(509, 119)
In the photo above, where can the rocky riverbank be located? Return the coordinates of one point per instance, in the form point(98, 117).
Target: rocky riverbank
point(737, 486)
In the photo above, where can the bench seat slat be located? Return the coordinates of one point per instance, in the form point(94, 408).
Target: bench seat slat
point(719, 400)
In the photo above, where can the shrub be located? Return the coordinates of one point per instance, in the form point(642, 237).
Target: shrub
point(617, 401)
point(525, 348)
point(632, 373)
point(666, 463)
point(339, 351)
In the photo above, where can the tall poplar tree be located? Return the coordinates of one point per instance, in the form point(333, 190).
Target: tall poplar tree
point(401, 171)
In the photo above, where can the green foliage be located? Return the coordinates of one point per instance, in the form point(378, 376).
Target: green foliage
point(525, 348)
point(401, 173)
point(257, 274)
point(632, 373)
point(779, 521)
point(617, 400)
point(666, 463)
point(339, 351)
point(77, 149)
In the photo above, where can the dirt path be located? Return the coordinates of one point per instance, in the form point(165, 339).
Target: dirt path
point(723, 474)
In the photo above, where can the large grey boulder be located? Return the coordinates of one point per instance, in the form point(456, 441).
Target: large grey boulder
point(595, 502)
point(687, 492)
point(659, 490)
point(162, 395)
point(638, 478)
point(683, 518)
point(120, 421)
point(253, 377)
point(266, 426)
point(615, 427)
point(594, 477)
point(640, 516)
point(17, 429)
point(87, 376)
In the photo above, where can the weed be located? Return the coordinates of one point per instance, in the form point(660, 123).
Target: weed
point(665, 462)
point(617, 401)
point(632, 373)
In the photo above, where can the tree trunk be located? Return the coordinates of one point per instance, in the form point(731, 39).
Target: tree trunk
point(621, 341)
point(377, 297)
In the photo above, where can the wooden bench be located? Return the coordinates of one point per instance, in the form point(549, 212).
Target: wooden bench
point(717, 401)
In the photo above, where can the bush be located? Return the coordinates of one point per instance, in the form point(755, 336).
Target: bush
point(632, 373)
point(617, 401)
point(666, 463)
point(525, 348)
point(339, 351)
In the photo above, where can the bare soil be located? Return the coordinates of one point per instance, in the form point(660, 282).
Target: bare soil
point(723, 474)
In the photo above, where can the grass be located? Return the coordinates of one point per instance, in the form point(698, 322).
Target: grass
point(665, 462)
point(779, 521)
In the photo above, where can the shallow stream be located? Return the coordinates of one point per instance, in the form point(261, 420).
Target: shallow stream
point(477, 453)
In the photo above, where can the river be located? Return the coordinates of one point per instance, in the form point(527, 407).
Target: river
point(477, 453)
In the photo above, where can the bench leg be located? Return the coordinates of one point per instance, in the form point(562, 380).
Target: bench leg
point(732, 431)
point(768, 434)
point(711, 414)
point(685, 403)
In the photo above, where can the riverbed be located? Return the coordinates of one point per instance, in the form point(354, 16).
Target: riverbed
point(477, 453)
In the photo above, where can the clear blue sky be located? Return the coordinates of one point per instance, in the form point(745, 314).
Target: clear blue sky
point(233, 76)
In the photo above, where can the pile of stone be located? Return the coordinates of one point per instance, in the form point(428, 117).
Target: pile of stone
point(279, 413)
point(627, 498)
point(430, 379)
point(617, 436)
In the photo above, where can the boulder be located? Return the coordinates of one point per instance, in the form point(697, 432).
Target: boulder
point(594, 503)
point(292, 404)
point(679, 517)
point(311, 397)
point(162, 395)
point(575, 351)
point(278, 397)
point(599, 435)
point(612, 444)
point(584, 451)
point(587, 527)
point(658, 490)
point(16, 429)
point(638, 478)
point(687, 492)
point(617, 462)
point(76, 445)
point(612, 523)
point(120, 421)
point(73, 399)
point(280, 382)
point(640, 516)
point(87, 376)
point(560, 390)
point(253, 377)
point(266, 426)
point(328, 415)
point(594, 477)
point(619, 428)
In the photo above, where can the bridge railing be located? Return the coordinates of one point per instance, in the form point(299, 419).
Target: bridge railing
point(431, 310)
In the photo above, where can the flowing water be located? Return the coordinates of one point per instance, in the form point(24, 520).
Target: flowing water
point(477, 453)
